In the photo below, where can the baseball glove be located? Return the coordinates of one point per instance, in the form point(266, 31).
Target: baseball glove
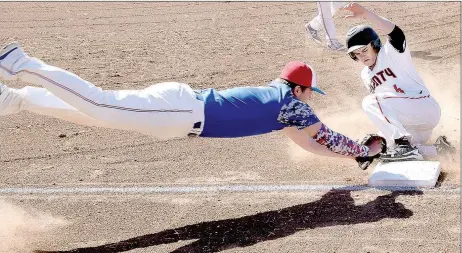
point(365, 161)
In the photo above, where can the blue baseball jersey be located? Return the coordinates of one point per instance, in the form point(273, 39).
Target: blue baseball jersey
point(247, 111)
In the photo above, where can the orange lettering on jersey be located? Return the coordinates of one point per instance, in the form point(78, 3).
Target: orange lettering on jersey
point(388, 72)
point(381, 75)
point(399, 90)
point(376, 81)
point(380, 78)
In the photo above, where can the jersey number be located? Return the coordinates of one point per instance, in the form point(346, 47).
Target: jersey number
point(399, 90)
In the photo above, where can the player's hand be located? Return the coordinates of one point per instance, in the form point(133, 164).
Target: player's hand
point(374, 148)
point(357, 11)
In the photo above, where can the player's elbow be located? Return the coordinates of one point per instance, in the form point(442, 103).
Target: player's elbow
point(313, 130)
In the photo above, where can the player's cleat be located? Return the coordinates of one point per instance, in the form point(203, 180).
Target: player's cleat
point(313, 33)
point(8, 49)
point(335, 45)
point(443, 146)
point(402, 152)
point(10, 54)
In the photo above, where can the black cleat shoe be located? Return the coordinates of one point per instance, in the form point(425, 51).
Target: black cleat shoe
point(402, 153)
point(443, 146)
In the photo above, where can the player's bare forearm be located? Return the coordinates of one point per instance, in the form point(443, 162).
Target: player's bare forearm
point(380, 22)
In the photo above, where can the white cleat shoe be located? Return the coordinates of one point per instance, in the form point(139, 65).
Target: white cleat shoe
point(8, 49)
point(10, 55)
point(336, 46)
point(314, 34)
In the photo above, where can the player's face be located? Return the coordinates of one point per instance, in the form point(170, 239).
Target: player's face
point(366, 55)
point(303, 96)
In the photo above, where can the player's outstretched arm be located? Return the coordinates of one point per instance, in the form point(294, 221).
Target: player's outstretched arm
point(358, 11)
point(321, 140)
point(302, 139)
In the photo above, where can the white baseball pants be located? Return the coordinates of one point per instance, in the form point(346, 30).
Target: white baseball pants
point(324, 19)
point(408, 115)
point(164, 110)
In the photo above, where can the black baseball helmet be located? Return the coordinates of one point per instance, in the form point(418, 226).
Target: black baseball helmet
point(360, 36)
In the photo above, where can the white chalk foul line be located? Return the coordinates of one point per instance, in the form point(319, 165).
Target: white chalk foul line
point(213, 189)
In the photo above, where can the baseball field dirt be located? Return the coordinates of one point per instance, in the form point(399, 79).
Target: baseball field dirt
point(70, 188)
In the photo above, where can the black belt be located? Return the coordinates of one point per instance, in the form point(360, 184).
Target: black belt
point(198, 124)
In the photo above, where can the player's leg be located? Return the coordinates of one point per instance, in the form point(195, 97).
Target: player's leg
point(419, 139)
point(41, 101)
point(419, 115)
point(441, 145)
point(425, 118)
point(336, 6)
point(314, 27)
point(165, 111)
point(325, 9)
point(384, 116)
point(430, 117)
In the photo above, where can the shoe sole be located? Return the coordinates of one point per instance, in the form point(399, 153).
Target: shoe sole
point(446, 150)
point(339, 49)
point(8, 49)
point(401, 159)
point(364, 165)
point(317, 41)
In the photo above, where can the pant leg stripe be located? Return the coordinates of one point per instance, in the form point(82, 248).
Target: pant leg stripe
point(98, 104)
point(380, 107)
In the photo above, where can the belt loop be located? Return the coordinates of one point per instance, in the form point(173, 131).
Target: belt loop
point(197, 128)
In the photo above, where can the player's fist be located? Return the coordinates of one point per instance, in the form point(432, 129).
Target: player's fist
point(357, 11)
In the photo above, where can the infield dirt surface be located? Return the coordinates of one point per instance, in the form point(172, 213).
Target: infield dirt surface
point(130, 45)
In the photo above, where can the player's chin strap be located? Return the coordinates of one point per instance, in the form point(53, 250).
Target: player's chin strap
point(339, 143)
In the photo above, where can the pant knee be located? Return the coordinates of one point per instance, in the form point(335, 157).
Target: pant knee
point(369, 102)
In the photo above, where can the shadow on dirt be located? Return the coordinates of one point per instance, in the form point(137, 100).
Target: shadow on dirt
point(424, 55)
point(443, 175)
point(335, 208)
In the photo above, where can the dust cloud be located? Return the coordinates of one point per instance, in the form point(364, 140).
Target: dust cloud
point(349, 119)
point(444, 84)
point(22, 230)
